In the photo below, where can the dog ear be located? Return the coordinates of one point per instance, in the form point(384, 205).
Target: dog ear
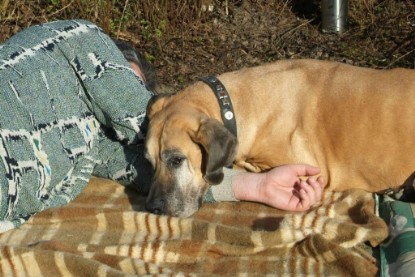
point(157, 103)
point(220, 146)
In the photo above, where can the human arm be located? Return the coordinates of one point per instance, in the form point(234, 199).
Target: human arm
point(281, 187)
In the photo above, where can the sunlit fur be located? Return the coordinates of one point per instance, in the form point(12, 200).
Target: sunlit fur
point(356, 124)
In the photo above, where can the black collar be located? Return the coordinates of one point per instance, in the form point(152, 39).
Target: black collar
point(226, 108)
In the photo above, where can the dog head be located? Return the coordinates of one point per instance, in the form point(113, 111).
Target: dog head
point(188, 151)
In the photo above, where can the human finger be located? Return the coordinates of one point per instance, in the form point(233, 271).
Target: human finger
point(306, 170)
point(318, 187)
point(311, 188)
point(304, 202)
point(320, 181)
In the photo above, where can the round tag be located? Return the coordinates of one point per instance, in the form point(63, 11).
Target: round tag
point(229, 115)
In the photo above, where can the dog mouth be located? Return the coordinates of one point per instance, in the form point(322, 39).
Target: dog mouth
point(184, 212)
point(180, 195)
point(173, 205)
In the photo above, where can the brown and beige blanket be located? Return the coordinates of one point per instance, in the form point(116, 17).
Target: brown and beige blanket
point(105, 233)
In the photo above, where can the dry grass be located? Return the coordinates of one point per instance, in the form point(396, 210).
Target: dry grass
point(183, 42)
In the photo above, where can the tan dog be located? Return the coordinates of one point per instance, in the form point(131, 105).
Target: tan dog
point(356, 124)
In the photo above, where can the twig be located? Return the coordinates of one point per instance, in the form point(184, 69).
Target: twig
point(296, 27)
point(58, 11)
point(399, 58)
point(122, 16)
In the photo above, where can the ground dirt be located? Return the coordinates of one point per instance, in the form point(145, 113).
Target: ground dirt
point(186, 39)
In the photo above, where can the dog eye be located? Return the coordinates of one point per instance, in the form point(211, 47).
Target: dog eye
point(176, 161)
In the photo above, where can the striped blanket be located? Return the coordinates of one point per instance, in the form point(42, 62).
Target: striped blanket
point(104, 232)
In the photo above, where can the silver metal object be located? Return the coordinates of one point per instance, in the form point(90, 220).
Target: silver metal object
point(334, 15)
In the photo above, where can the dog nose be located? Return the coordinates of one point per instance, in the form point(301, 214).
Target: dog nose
point(155, 206)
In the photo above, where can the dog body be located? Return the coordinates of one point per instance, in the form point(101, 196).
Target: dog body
point(356, 124)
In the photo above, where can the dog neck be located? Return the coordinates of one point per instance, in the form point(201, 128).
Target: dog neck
point(225, 103)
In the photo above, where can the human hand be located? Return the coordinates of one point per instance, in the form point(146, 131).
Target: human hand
point(282, 187)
